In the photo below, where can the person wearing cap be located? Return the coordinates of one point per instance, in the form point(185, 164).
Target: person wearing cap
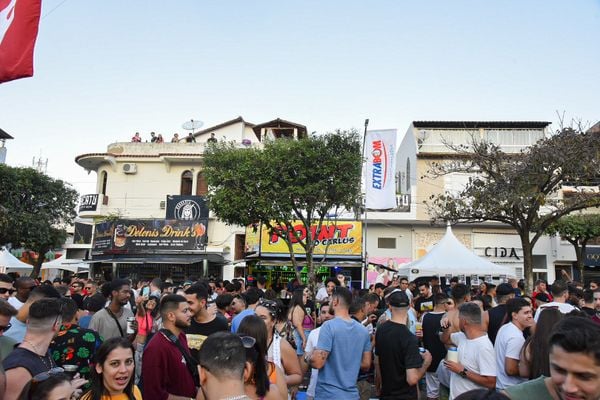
point(398, 363)
point(496, 316)
point(541, 287)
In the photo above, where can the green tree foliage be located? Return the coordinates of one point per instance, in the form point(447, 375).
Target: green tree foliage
point(34, 210)
point(285, 181)
point(522, 190)
point(578, 230)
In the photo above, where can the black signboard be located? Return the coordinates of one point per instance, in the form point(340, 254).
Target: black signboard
point(592, 256)
point(88, 202)
point(190, 208)
point(82, 233)
point(150, 236)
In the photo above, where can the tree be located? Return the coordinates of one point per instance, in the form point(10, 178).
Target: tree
point(285, 181)
point(577, 230)
point(34, 210)
point(527, 191)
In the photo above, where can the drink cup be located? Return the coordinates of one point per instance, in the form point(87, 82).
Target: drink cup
point(452, 354)
point(70, 370)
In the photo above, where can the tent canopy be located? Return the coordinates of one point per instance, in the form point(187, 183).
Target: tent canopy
point(10, 263)
point(62, 262)
point(450, 256)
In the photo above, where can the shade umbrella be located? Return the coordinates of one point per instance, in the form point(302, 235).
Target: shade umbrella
point(67, 264)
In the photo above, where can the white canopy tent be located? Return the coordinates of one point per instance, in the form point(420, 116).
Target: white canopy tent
point(10, 263)
point(450, 257)
point(62, 262)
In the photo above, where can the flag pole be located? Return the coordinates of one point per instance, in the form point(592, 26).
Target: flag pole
point(365, 253)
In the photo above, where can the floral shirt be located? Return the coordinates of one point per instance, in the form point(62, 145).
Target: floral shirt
point(74, 345)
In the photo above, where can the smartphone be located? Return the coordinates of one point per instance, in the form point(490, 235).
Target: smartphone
point(146, 291)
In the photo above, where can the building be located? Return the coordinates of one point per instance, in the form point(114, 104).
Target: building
point(136, 183)
point(405, 233)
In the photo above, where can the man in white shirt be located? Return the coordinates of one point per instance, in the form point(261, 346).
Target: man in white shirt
point(509, 342)
point(476, 367)
point(560, 293)
point(24, 285)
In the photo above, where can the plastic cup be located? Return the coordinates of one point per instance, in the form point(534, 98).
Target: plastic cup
point(452, 354)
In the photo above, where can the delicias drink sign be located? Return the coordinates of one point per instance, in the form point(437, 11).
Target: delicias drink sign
point(141, 236)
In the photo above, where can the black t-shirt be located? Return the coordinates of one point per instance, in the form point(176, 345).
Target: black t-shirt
point(27, 359)
point(398, 350)
point(431, 339)
point(497, 318)
point(197, 333)
point(424, 304)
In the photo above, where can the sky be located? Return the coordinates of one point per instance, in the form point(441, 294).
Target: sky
point(107, 69)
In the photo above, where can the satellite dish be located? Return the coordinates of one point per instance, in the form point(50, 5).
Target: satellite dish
point(192, 125)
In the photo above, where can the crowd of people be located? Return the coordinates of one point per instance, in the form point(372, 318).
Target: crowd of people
point(210, 339)
point(154, 138)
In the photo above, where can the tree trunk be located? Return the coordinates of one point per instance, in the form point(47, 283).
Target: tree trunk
point(580, 252)
point(527, 262)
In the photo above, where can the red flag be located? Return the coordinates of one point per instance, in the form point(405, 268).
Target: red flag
point(19, 21)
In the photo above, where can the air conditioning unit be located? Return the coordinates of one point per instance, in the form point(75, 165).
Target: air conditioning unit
point(130, 168)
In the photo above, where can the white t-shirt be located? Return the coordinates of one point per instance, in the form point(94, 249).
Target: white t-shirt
point(16, 303)
point(321, 294)
point(311, 344)
point(564, 308)
point(476, 355)
point(509, 342)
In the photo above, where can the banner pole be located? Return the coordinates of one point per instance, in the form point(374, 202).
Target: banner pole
point(365, 253)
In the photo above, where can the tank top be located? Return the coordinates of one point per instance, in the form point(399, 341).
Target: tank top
point(27, 359)
point(274, 351)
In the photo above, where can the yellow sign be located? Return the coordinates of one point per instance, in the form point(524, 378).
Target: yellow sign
point(340, 238)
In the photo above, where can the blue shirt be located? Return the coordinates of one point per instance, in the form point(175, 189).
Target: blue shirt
point(345, 341)
point(17, 330)
point(235, 322)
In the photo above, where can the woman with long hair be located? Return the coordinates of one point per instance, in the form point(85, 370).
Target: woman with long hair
point(51, 385)
point(266, 380)
point(279, 351)
point(534, 361)
point(300, 318)
point(113, 372)
point(145, 316)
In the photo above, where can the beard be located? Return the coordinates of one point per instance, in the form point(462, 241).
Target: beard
point(182, 323)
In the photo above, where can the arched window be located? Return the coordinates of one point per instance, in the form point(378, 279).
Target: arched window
point(201, 185)
point(408, 176)
point(103, 179)
point(186, 183)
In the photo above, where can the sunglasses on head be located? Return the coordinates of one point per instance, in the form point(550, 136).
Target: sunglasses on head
point(5, 290)
point(45, 375)
point(248, 341)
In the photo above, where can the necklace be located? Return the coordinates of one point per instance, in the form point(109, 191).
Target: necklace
point(37, 353)
point(239, 397)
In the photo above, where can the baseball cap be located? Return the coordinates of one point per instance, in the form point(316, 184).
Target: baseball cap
point(542, 297)
point(397, 298)
point(503, 289)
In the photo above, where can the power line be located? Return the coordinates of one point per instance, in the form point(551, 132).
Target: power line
point(51, 11)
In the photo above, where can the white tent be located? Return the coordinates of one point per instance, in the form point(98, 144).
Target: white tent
point(62, 262)
point(450, 257)
point(10, 263)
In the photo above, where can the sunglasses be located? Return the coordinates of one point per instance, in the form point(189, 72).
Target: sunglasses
point(5, 328)
point(88, 288)
point(5, 290)
point(45, 375)
point(248, 341)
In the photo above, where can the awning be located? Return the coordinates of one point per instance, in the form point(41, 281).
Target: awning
point(157, 259)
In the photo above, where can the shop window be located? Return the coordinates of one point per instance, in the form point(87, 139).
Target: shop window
point(201, 185)
point(386, 243)
point(103, 180)
point(186, 183)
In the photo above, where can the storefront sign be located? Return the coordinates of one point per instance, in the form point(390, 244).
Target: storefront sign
point(149, 236)
point(337, 238)
point(88, 202)
point(191, 208)
point(592, 256)
point(501, 252)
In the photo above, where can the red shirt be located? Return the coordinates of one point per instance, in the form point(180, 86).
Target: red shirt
point(164, 370)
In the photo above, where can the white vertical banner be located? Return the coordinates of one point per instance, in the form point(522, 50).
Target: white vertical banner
point(380, 155)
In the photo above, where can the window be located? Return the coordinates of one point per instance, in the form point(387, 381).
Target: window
point(386, 243)
point(201, 185)
point(103, 179)
point(186, 183)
